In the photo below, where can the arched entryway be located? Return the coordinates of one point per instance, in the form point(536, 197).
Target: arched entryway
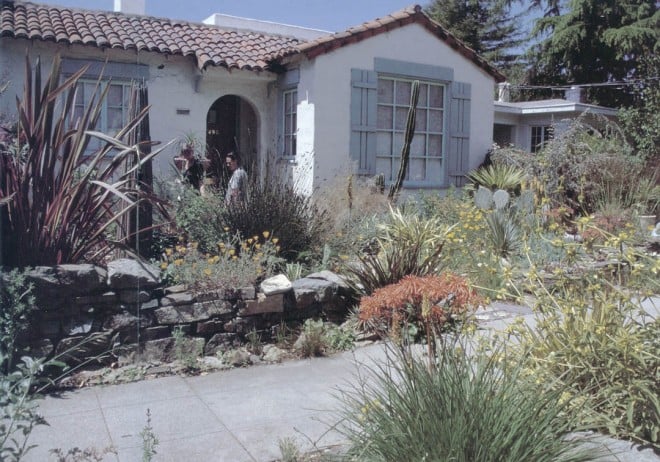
point(231, 125)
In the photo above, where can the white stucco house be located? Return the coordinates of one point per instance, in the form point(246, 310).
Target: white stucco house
point(311, 103)
point(528, 125)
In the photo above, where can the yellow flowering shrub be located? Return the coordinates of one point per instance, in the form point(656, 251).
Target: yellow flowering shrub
point(234, 265)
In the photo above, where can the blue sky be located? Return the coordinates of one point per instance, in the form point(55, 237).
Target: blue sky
point(331, 15)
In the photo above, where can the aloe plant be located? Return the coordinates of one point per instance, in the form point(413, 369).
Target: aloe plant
point(64, 200)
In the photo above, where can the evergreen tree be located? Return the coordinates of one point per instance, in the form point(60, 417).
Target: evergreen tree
point(486, 26)
point(595, 41)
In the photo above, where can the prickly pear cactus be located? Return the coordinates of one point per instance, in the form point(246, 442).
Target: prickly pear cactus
point(483, 198)
point(501, 199)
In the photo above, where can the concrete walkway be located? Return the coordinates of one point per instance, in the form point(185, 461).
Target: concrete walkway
point(236, 415)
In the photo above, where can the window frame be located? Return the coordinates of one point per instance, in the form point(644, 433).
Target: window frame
point(394, 157)
point(293, 116)
point(102, 124)
point(544, 138)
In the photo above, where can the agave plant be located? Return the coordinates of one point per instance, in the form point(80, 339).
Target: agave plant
point(498, 176)
point(61, 200)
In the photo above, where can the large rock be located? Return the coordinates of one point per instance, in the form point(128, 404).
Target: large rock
point(53, 284)
point(75, 350)
point(193, 312)
point(275, 285)
point(125, 273)
point(263, 304)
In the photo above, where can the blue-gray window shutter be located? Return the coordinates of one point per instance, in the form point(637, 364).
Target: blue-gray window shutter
point(459, 133)
point(364, 94)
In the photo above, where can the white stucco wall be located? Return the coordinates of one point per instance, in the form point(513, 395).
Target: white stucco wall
point(326, 84)
point(176, 85)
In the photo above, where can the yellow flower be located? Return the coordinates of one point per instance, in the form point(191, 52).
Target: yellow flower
point(265, 234)
point(249, 241)
point(168, 252)
point(275, 240)
point(232, 252)
point(207, 271)
point(257, 246)
point(178, 261)
point(234, 257)
point(163, 265)
point(226, 228)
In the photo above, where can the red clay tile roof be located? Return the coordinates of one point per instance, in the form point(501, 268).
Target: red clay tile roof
point(208, 44)
point(411, 14)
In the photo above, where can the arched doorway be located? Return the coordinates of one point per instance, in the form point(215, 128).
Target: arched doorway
point(231, 126)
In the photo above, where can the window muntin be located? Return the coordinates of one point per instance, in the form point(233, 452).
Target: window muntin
point(427, 148)
point(289, 121)
point(114, 111)
point(541, 134)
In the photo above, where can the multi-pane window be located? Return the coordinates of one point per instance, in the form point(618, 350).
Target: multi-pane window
point(114, 111)
point(426, 151)
point(289, 128)
point(541, 134)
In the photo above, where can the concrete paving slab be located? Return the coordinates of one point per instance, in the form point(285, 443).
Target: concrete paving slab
point(78, 429)
point(214, 446)
point(308, 432)
point(178, 418)
point(69, 402)
point(145, 391)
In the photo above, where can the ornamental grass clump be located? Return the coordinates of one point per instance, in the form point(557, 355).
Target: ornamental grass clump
point(469, 409)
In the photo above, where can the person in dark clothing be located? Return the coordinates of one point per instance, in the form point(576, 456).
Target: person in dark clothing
point(193, 170)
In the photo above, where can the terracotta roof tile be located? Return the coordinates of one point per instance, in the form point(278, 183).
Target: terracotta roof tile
point(210, 45)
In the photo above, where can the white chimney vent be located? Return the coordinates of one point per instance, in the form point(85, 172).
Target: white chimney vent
point(504, 92)
point(130, 6)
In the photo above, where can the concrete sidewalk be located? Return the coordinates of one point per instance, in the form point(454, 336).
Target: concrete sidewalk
point(236, 415)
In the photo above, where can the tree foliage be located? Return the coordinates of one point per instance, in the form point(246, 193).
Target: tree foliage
point(487, 26)
point(595, 41)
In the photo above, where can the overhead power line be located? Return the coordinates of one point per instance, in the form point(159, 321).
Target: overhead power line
point(583, 85)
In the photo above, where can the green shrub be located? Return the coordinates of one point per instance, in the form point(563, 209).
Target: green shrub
point(312, 339)
point(276, 206)
point(18, 407)
point(200, 219)
point(582, 167)
point(16, 302)
point(231, 266)
point(591, 343)
point(463, 409)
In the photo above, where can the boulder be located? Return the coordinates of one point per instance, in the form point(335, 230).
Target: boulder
point(275, 285)
point(126, 273)
point(54, 284)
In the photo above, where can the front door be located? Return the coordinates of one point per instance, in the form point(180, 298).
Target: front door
point(231, 126)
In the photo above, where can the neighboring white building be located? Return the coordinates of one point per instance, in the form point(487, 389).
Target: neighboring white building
point(303, 101)
point(528, 125)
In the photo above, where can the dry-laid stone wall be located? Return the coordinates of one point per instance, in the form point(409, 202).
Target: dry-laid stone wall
point(85, 311)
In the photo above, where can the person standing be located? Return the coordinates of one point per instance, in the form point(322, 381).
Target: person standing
point(192, 168)
point(237, 187)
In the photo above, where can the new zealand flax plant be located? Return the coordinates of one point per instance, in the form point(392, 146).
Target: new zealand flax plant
point(62, 201)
